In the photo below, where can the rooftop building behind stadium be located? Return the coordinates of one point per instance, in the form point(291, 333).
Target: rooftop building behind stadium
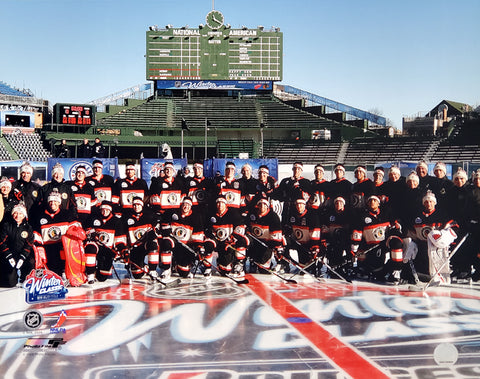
point(213, 92)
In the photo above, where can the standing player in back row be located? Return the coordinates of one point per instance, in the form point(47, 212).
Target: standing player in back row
point(129, 187)
point(291, 189)
point(102, 184)
point(25, 189)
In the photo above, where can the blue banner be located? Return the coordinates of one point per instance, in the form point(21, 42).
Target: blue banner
point(110, 166)
point(214, 167)
point(151, 167)
point(257, 85)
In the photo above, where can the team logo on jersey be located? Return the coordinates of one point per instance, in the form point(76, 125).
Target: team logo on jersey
point(24, 234)
point(379, 234)
point(165, 185)
point(43, 221)
point(193, 183)
point(221, 234)
point(426, 231)
point(64, 196)
point(74, 188)
point(230, 196)
point(236, 185)
point(200, 195)
point(368, 220)
point(130, 197)
point(34, 193)
point(356, 200)
point(418, 220)
point(332, 218)
point(130, 221)
point(54, 233)
point(292, 220)
point(101, 195)
point(139, 234)
point(180, 233)
point(124, 185)
point(172, 198)
point(97, 223)
point(81, 203)
point(104, 238)
point(298, 234)
point(258, 232)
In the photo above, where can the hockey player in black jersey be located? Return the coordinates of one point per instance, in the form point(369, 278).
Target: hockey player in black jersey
point(25, 189)
point(139, 223)
point(83, 194)
point(49, 225)
point(226, 236)
point(376, 228)
point(16, 239)
point(129, 187)
point(187, 238)
point(266, 237)
point(303, 232)
point(166, 192)
point(102, 184)
point(105, 240)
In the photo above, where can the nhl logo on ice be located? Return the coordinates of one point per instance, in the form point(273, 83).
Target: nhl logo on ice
point(32, 319)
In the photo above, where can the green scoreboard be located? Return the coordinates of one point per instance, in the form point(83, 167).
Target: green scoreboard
point(214, 51)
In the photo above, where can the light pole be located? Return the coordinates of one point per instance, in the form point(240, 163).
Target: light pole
point(207, 124)
point(184, 126)
point(262, 125)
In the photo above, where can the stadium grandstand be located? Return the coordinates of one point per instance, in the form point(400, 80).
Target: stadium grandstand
point(239, 112)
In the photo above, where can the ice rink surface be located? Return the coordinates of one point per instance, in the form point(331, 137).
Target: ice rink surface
point(265, 329)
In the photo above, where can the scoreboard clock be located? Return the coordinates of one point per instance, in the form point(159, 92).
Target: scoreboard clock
point(214, 51)
point(214, 19)
point(74, 114)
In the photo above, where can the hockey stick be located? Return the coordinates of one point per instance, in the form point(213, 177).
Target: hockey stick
point(116, 273)
point(260, 266)
point(190, 250)
point(296, 264)
point(432, 279)
point(166, 284)
point(414, 272)
point(368, 250)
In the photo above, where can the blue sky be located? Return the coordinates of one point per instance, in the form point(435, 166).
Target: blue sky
point(396, 57)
